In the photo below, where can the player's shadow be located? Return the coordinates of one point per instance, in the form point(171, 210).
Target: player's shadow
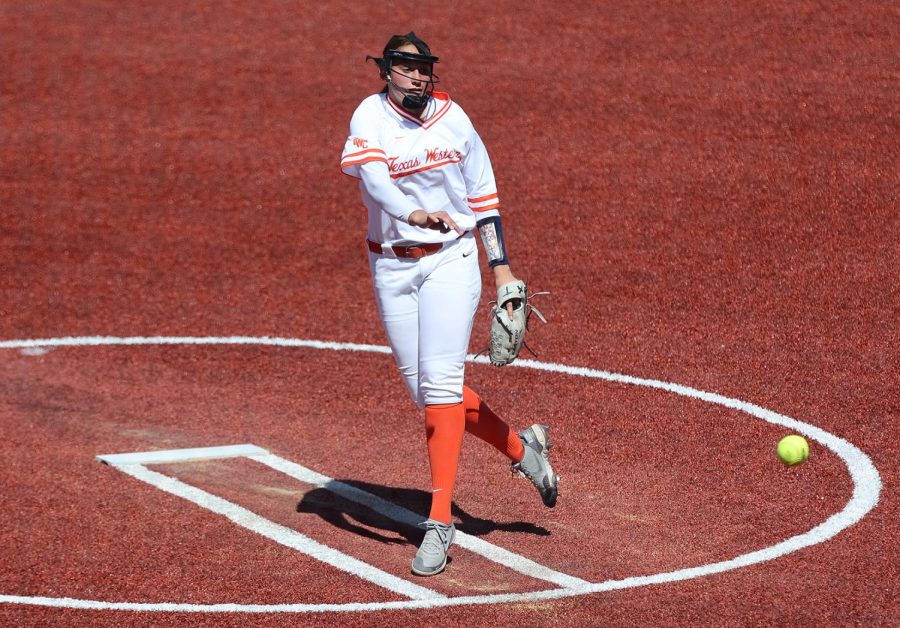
point(344, 513)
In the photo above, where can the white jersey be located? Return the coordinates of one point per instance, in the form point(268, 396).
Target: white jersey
point(437, 163)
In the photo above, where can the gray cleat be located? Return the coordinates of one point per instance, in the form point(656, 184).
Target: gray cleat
point(536, 466)
point(432, 555)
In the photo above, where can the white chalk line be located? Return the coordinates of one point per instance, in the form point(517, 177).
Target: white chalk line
point(864, 475)
point(397, 513)
point(278, 533)
point(183, 455)
point(133, 464)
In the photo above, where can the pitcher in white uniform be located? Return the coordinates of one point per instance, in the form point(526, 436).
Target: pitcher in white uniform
point(426, 180)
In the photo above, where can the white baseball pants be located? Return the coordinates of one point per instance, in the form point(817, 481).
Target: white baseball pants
point(427, 306)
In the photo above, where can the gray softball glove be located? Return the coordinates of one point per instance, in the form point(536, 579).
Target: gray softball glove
point(508, 332)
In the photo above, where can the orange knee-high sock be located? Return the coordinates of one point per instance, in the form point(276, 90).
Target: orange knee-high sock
point(444, 429)
point(483, 423)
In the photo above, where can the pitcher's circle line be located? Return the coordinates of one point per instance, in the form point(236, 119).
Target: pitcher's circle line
point(865, 477)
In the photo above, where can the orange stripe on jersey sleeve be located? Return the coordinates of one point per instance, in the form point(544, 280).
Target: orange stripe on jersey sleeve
point(363, 157)
point(484, 208)
point(373, 151)
point(482, 199)
point(364, 160)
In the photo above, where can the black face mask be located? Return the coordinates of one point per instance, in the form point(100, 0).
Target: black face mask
point(414, 102)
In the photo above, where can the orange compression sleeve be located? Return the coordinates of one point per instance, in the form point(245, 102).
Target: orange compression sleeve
point(483, 423)
point(444, 429)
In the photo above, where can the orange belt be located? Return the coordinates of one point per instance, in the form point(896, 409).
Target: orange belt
point(415, 251)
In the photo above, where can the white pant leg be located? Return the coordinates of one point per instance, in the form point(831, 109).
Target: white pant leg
point(427, 307)
point(448, 300)
point(396, 283)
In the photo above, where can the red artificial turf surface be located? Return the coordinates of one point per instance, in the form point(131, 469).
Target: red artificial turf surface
point(709, 190)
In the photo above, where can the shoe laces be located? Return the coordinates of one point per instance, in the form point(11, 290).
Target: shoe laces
point(438, 541)
point(542, 454)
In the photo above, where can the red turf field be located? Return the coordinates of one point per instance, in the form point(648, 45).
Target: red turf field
point(710, 191)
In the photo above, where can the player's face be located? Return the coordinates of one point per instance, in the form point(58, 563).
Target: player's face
point(408, 77)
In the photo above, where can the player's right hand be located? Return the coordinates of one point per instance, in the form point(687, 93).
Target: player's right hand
point(440, 221)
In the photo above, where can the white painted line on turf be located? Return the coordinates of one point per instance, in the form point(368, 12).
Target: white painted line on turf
point(864, 475)
point(492, 552)
point(35, 351)
point(113, 341)
point(278, 533)
point(182, 455)
point(180, 607)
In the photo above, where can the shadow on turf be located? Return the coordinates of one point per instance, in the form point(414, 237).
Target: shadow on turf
point(358, 519)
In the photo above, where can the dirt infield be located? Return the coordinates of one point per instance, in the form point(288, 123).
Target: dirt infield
point(709, 190)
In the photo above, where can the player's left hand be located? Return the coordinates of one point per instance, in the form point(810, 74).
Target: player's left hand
point(503, 275)
point(508, 327)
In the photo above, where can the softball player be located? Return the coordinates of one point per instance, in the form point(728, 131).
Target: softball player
point(427, 183)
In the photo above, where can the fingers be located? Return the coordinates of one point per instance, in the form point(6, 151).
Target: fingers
point(443, 222)
point(436, 223)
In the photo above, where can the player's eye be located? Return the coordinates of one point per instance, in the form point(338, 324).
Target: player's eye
point(408, 69)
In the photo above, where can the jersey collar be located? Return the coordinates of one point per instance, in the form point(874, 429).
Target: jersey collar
point(437, 106)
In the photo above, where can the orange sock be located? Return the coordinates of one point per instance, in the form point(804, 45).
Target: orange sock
point(444, 429)
point(483, 423)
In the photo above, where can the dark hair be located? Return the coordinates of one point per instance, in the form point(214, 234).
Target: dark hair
point(398, 41)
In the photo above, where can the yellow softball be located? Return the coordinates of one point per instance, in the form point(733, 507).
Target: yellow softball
point(793, 449)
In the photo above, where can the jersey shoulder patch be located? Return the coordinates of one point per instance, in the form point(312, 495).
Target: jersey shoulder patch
point(362, 145)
